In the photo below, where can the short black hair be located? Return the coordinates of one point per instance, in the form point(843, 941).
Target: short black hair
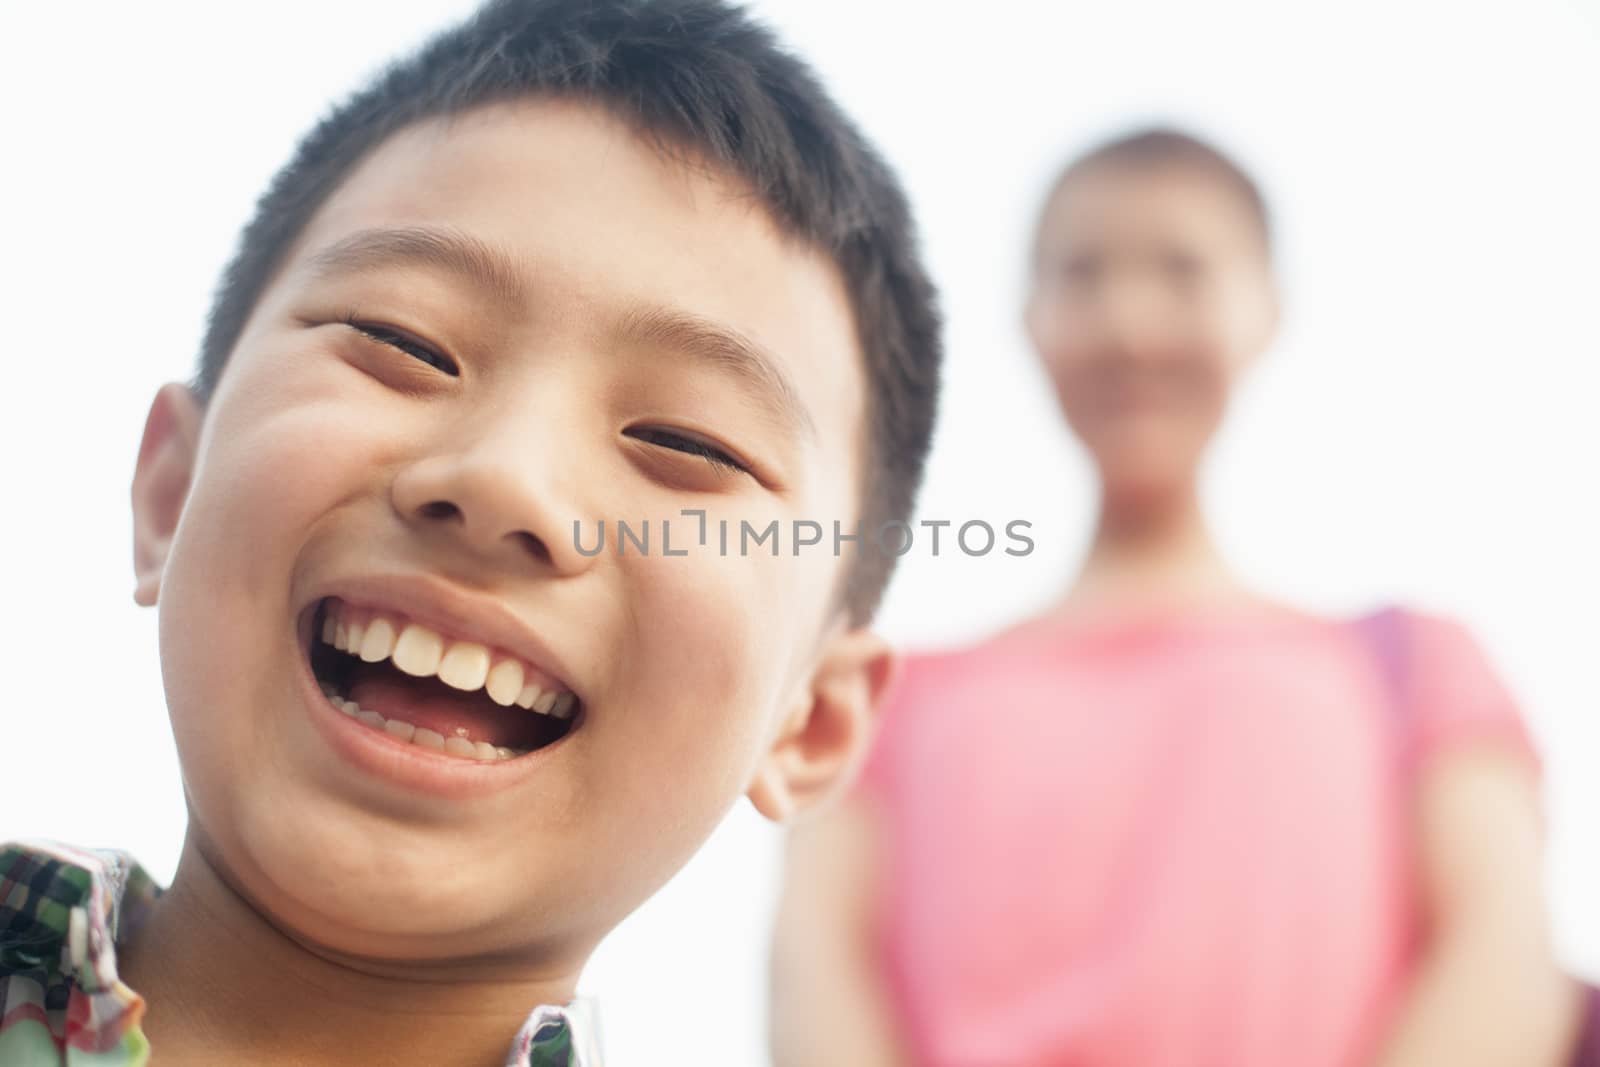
point(696, 74)
point(1166, 147)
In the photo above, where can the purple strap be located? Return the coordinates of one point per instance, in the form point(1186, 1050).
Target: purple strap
point(1385, 634)
point(1587, 1054)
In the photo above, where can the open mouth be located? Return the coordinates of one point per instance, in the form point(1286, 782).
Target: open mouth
point(421, 687)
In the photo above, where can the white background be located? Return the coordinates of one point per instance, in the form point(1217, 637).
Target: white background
point(1426, 428)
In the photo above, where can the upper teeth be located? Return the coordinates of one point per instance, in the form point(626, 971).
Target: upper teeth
point(423, 652)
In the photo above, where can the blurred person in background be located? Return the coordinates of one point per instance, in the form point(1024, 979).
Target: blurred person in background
point(1171, 822)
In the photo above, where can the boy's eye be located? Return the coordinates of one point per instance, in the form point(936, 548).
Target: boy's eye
point(404, 342)
point(1182, 268)
point(678, 441)
point(1076, 270)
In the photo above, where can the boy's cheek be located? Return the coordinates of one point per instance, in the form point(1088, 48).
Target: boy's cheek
point(262, 474)
point(697, 653)
point(269, 471)
point(717, 623)
point(710, 644)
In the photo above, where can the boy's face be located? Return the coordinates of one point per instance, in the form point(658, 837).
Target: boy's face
point(1152, 294)
point(638, 311)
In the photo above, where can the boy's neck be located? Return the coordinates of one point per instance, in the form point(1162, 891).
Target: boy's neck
point(222, 984)
point(1153, 553)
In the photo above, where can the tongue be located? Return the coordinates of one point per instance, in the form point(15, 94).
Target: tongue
point(428, 703)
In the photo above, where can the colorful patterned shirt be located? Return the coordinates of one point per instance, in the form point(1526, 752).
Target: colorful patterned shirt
point(62, 1004)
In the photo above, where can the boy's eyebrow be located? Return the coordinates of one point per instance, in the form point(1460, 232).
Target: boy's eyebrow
point(487, 267)
point(727, 350)
point(448, 249)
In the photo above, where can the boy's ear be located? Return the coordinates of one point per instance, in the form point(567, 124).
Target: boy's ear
point(161, 483)
point(1032, 310)
point(826, 735)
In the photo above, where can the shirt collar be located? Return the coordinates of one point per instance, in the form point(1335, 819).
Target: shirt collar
point(62, 909)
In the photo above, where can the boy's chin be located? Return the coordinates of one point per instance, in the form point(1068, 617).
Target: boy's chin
point(344, 893)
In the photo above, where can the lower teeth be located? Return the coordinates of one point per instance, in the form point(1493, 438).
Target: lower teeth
point(404, 731)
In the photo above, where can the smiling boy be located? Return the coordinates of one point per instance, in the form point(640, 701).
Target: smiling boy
point(570, 261)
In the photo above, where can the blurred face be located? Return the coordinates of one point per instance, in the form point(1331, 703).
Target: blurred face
point(1152, 293)
point(415, 721)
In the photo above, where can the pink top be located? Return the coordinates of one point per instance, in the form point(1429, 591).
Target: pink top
point(1169, 843)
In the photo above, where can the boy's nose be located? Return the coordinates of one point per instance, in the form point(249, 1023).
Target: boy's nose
point(497, 508)
point(1132, 319)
